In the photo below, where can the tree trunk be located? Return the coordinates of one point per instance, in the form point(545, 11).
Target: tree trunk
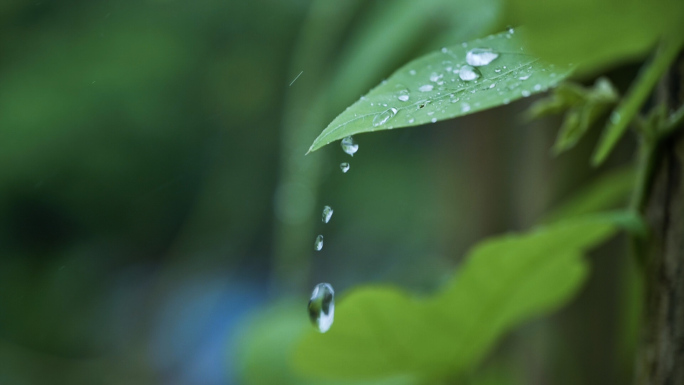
point(660, 359)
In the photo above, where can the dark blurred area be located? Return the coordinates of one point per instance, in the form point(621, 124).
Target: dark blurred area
point(154, 194)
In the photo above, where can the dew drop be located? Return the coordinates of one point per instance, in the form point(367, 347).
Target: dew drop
point(327, 214)
point(381, 119)
point(465, 107)
point(403, 96)
point(493, 85)
point(468, 73)
point(480, 56)
point(434, 77)
point(525, 93)
point(318, 244)
point(426, 88)
point(524, 77)
point(322, 307)
point(412, 72)
point(344, 167)
point(433, 120)
point(349, 146)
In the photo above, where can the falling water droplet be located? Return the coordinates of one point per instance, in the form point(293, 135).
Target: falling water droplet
point(322, 307)
point(349, 146)
point(468, 73)
point(426, 88)
point(327, 214)
point(344, 167)
point(318, 244)
point(480, 56)
point(381, 119)
point(403, 95)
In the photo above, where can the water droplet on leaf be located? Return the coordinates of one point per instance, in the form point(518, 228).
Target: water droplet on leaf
point(426, 88)
point(468, 73)
point(382, 118)
point(403, 95)
point(349, 146)
point(480, 56)
point(322, 307)
point(344, 167)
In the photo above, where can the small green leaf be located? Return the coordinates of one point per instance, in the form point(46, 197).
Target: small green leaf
point(381, 331)
point(430, 89)
point(584, 106)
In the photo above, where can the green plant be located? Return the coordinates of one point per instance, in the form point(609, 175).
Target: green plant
point(383, 332)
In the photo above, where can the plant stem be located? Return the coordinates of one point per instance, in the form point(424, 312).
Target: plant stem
point(635, 98)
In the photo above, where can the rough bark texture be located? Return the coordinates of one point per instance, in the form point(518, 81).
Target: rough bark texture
point(660, 359)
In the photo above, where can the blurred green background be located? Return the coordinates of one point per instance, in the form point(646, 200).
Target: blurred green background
point(157, 213)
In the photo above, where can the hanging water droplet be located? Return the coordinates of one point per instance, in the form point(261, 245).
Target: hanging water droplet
point(327, 214)
point(403, 95)
point(349, 146)
point(426, 88)
point(480, 56)
point(382, 118)
point(468, 73)
point(344, 167)
point(433, 120)
point(318, 244)
point(322, 307)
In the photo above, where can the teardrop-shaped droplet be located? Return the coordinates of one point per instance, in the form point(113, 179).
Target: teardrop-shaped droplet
point(318, 245)
point(468, 73)
point(480, 56)
point(322, 307)
point(403, 95)
point(349, 146)
point(327, 214)
point(379, 120)
point(344, 167)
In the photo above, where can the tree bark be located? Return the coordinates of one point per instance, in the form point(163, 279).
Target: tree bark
point(660, 359)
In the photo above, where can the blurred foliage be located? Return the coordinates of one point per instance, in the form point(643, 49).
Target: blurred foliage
point(153, 183)
point(381, 331)
point(595, 34)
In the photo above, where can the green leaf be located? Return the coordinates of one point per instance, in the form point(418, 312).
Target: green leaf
point(595, 33)
point(382, 331)
point(435, 92)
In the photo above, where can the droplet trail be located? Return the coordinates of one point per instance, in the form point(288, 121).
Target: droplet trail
point(318, 244)
point(327, 214)
point(349, 146)
point(322, 307)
